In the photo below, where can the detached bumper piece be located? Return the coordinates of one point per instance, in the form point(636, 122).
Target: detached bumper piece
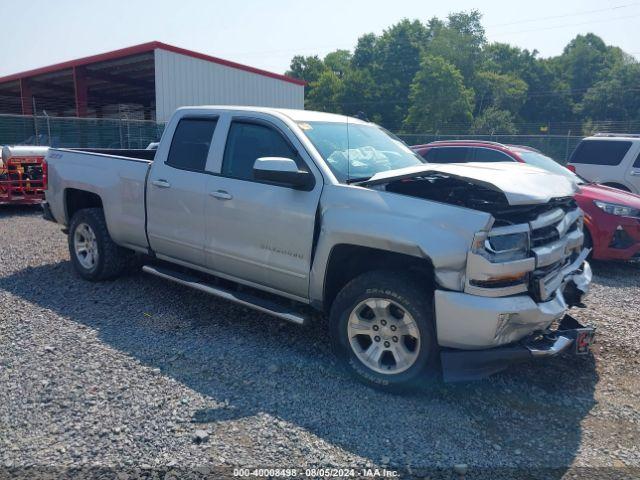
point(467, 365)
point(46, 212)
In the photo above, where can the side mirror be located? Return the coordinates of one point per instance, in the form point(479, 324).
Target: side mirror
point(282, 171)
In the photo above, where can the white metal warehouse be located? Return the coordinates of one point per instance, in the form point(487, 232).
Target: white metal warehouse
point(152, 79)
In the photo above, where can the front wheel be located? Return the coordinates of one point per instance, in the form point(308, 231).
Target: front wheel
point(383, 330)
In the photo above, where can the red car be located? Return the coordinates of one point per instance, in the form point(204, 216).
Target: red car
point(612, 216)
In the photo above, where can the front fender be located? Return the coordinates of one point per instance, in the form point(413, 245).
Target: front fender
point(395, 223)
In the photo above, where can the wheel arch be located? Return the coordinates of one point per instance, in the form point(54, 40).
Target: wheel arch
point(77, 199)
point(347, 261)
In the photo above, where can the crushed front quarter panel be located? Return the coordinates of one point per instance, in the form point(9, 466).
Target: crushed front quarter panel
point(395, 223)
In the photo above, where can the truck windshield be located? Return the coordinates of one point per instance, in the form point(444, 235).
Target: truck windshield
point(357, 152)
point(546, 163)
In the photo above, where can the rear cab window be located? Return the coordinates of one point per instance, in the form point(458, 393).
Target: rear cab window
point(190, 144)
point(600, 152)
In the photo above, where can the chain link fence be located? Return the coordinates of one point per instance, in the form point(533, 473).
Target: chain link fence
point(130, 133)
point(78, 132)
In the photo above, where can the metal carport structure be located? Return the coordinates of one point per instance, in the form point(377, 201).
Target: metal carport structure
point(151, 80)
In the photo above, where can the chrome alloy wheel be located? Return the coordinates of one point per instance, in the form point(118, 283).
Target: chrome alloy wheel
point(85, 246)
point(383, 335)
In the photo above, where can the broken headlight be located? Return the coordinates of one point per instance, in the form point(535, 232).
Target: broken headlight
point(501, 259)
point(503, 244)
point(508, 243)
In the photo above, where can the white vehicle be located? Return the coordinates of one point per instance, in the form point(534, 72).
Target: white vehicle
point(473, 265)
point(611, 159)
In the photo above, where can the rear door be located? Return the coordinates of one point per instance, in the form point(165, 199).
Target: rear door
point(259, 232)
point(176, 192)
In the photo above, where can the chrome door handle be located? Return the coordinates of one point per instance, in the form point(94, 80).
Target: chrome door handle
point(161, 183)
point(635, 173)
point(221, 195)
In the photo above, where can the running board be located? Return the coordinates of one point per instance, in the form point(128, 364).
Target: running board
point(242, 298)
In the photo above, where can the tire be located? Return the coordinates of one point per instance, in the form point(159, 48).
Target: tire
point(387, 292)
point(88, 229)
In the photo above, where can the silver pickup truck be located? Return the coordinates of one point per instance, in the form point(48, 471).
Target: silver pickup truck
point(419, 268)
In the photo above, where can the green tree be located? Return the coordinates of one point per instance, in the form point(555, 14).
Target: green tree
point(615, 97)
point(308, 69)
point(338, 62)
point(359, 93)
point(397, 59)
point(492, 121)
point(460, 40)
point(585, 61)
point(326, 93)
point(386, 79)
point(547, 95)
point(501, 91)
point(364, 55)
point(438, 97)
point(304, 68)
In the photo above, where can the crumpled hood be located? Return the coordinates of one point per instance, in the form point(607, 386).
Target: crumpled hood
point(521, 184)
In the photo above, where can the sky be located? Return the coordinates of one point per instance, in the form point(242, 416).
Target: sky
point(267, 34)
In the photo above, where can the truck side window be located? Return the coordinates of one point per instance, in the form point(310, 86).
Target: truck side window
point(190, 143)
point(246, 142)
point(636, 164)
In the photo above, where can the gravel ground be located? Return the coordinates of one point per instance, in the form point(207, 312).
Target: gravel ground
point(140, 376)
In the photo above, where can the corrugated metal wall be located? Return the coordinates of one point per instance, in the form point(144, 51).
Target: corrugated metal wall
point(186, 81)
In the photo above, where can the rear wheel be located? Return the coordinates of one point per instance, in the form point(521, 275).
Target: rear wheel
point(93, 253)
point(382, 329)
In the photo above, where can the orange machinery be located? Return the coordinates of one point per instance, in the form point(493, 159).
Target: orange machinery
point(23, 175)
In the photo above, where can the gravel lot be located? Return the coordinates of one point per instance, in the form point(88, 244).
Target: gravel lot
point(141, 375)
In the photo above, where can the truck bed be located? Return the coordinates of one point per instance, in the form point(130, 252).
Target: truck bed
point(117, 178)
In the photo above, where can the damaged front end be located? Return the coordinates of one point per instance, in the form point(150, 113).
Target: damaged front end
point(564, 336)
point(530, 248)
point(539, 255)
point(522, 273)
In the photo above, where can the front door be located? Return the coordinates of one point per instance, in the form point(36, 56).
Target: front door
point(256, 231)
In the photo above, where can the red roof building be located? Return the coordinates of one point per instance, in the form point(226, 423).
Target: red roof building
point(151, 80)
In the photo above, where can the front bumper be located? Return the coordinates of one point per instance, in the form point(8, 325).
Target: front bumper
point(570, 336)
point(474, 322)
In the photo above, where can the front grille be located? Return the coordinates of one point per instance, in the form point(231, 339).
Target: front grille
point(555, 243)
point(543, 236)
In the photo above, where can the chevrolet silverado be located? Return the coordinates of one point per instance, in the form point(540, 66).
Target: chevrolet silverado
point(419, 268)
